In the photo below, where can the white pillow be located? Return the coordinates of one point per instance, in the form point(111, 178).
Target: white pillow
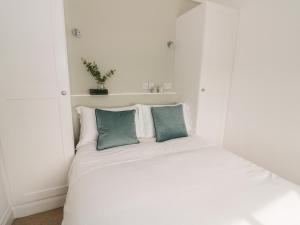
point(88, 125)
point(148, 125)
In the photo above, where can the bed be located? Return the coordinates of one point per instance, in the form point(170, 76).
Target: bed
point(178, 182)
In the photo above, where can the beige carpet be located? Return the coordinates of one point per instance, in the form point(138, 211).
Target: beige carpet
point(53, 217)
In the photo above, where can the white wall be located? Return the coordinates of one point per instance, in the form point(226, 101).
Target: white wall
point(130, 36)
point(264, 113)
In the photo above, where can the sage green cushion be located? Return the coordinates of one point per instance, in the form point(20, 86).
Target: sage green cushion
point(115, 128)
point(168, 122)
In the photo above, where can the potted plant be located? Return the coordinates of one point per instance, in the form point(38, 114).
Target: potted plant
point(101, 78)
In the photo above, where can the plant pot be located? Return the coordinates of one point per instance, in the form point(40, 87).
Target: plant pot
point(100, 91)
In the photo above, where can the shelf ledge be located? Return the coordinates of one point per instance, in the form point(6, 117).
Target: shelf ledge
point(126, 94)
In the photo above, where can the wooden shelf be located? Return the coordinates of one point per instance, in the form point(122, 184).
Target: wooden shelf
point(126, 94)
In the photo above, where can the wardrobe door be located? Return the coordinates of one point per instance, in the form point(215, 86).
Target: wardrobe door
point(36, 127)
point(205, 49)
point(216, 69)
point(188, 55)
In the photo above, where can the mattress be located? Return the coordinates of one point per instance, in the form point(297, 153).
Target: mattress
point(178, 182)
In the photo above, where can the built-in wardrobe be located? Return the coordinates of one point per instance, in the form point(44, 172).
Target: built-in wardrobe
point(204, 57)
point(35, 115)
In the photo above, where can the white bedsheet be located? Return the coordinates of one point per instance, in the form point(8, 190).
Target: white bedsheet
point(179, 182)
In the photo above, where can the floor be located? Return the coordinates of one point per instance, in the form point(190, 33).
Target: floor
point(53, 217)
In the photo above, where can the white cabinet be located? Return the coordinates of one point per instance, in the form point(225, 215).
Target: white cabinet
point(205, 47)
point(36, 124)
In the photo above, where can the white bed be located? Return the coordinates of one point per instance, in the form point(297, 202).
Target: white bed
point(179, 182)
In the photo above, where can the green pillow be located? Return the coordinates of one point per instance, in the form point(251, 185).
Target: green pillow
point(115, 128)
point(168, 122)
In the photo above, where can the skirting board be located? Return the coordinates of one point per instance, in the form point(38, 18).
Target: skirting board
point(38, 206)
point(7, 218)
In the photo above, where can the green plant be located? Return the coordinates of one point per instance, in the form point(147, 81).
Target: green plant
point(93, 69)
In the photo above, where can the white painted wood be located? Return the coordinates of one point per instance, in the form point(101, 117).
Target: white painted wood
point(7, 217)
point(216, 70)
point(189, 41)
point(36, 123)
point(35, 207)
point(4, 204)
point(126, 94)
point(206, 38)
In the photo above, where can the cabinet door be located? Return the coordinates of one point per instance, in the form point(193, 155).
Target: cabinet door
point(216, 69)
point(36, 127)
point(188, 54)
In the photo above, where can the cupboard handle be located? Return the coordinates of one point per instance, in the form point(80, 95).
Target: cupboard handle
point(203, 89)
point(63, 93)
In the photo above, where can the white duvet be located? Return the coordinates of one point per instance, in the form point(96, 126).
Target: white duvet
point(179, 182)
